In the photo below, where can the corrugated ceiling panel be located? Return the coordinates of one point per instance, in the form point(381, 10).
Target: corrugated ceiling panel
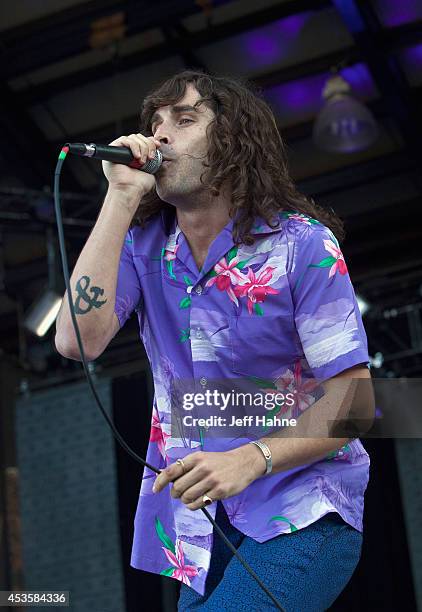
point(285, 42)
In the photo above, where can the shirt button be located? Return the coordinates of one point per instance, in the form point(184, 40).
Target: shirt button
point(198, 333)
point(203, 381)
point(189, 289)
point(198, 289)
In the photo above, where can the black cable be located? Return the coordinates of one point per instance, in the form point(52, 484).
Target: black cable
point(119, 438)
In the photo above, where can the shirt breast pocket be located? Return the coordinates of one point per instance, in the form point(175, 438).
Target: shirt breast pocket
point(263, 346)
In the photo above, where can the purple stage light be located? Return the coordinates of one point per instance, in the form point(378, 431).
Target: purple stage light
point(301, 99)
point(267, 45)
point(411, 59)
point(393, 13)
point(263, 48)
point(360, 80)
point(413, 56)
point(290, 27)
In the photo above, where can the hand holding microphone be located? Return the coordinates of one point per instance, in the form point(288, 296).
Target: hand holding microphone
point(123, 177)
point(121, 167)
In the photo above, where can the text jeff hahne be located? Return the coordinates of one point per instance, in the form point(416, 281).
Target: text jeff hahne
point(245, 421)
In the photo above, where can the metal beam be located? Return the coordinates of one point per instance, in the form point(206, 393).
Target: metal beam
point(382, 266)
point(175, 36)
point(27, 223)
point(67, 33)
point(354, 175)
point(406, 35)
point(346, 56)
point(365, 243)
point(381, 220)
point(191, 41)
point(25, 146)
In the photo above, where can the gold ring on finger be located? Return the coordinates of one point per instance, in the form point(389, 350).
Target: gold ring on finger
point(182, 464)
point(206, 500)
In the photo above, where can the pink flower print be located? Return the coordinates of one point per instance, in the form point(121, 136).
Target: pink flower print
point(301, 388)
point(339, 263)
point(300, 217)
point(182, 572)
point(169, 254)
point(157, 434)
point(256, 288)
point(226, 275)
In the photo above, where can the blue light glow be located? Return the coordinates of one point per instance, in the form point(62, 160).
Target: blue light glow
point(398, 12)
point(301, 99)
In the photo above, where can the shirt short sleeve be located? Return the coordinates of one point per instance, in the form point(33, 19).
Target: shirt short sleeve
point(326, 313)
point(128, 290)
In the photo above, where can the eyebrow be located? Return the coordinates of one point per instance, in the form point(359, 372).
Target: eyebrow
point(177, 109)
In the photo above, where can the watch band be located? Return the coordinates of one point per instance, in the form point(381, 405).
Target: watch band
point(267, 454)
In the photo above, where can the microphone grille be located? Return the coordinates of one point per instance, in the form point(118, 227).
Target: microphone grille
point(153, 165)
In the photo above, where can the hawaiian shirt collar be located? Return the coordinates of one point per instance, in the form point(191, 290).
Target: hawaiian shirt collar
point(177, 246)
point(170, 226)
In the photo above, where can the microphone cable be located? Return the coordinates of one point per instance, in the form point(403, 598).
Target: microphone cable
point(62, 156)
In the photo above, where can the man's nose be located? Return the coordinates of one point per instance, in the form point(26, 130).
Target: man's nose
point(162, 134)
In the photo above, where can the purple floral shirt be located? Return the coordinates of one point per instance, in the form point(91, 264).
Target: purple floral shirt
point(284, 305)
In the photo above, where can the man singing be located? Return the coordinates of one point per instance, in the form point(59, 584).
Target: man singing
point(233, 274)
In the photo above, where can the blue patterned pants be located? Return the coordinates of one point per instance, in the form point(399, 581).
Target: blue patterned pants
point(306, 570)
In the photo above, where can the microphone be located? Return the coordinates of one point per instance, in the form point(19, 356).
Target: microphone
point(118, 155)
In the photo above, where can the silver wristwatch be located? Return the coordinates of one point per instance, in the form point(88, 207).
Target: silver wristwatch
point(267, 454)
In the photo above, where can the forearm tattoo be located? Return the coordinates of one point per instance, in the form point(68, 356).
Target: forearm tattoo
point(91, 301)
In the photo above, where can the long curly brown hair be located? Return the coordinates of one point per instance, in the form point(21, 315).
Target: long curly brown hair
point(245, 150)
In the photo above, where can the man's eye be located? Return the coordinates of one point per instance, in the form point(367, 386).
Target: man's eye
point(185, 119)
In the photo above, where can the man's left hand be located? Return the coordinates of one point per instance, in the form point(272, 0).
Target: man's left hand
point(218, 475)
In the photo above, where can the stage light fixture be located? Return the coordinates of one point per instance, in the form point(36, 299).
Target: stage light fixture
point(363, 304)
point(344, 125)
point(43, 312)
